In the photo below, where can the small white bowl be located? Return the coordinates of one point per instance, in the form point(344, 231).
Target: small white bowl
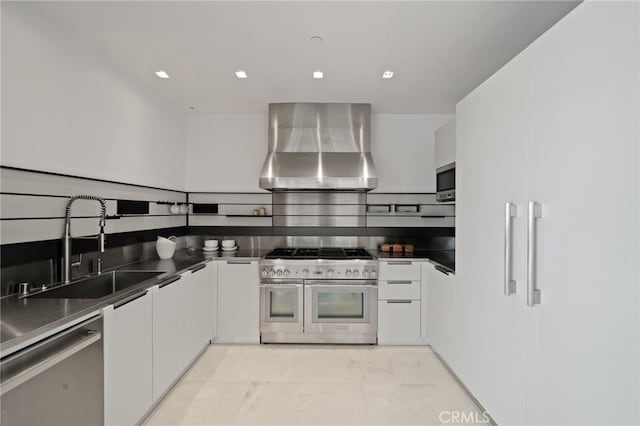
point(210, 243)
point(228, 243)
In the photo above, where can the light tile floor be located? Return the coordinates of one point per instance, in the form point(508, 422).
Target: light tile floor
point(317, 385)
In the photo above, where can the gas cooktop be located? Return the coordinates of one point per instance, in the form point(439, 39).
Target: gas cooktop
point(332, 253)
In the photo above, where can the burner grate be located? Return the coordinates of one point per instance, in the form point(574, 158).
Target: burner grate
point(332, 253)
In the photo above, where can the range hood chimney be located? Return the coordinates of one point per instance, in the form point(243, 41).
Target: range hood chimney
point(319, 146)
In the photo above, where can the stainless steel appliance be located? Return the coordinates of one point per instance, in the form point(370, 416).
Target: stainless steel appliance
point(319, 146)
point(446, 183)
point(318, 295)
point(59, 381)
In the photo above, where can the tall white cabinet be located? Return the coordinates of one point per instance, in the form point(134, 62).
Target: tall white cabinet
point(557, 126)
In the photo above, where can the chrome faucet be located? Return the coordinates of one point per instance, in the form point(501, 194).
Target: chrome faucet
point(66, 239)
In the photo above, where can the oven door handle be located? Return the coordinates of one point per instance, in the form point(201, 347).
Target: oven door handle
point(280, 285)
point(353, 286)
point(342, 283)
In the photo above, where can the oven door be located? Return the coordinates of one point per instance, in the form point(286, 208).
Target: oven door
point(341, 311)
point(281, 309)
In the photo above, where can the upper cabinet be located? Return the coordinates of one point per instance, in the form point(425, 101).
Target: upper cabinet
point(445, 144)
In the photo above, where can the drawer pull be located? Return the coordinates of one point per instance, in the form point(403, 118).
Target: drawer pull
point(170, 281)
point(400, 282)
point(401, 262)
point(399, 301)
point(441, 269)
point(197, 268)
point(129, 300)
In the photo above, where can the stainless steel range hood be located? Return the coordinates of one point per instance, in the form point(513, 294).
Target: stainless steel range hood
point(316, 146)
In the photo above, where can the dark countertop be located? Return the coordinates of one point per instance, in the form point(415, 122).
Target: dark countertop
point(24, 321)
point(446, 258)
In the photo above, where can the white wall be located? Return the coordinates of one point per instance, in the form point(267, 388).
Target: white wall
point(67, 109)
point(225, 152)
point(403, 150)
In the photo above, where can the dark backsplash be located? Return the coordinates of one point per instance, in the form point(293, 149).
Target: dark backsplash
point(47, 270)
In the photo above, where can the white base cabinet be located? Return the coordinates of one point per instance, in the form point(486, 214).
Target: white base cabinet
point(400, 302)
point(168, 334)
point(238, 302)
point(150, 340)
point(399, 322)
point(441, 312)
point(197, 296)
point(128, 352)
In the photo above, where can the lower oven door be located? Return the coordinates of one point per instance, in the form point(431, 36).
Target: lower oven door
point(281, 311)
point(341, 311)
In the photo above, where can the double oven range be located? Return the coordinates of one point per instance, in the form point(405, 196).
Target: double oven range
point(318, 295)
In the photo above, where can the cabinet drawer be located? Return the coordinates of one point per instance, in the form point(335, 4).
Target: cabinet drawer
point(399, 289)
point(399, 323)
point(399, 270)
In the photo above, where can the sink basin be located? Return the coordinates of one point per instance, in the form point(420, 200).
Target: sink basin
point(98, 286)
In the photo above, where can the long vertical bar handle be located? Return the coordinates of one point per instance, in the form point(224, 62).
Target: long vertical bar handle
point(510, 212)
point(533, 294)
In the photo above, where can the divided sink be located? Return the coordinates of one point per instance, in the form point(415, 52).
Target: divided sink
point(98, 286)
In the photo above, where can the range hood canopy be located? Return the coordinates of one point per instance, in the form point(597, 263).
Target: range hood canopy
point(319, 146)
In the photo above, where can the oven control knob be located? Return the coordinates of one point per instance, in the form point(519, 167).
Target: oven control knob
point(348, 273)
point(356, 273)
point(372, 273)
point(365, 273)
point(330, 273)
point(279, 273)
point(272, 273)
point(286, 272)
point(265, 272)
point(305, 272)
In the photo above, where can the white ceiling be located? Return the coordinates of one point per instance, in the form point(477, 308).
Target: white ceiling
point(439, 50)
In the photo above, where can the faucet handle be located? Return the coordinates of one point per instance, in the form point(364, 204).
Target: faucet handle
point(24, 288)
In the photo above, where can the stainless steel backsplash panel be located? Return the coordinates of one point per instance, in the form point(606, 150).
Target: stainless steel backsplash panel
point(326, 208)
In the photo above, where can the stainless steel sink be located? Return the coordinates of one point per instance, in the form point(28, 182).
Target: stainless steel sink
point(97, 286)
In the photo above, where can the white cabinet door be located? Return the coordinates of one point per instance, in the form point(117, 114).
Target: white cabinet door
point(399, 322)
point(128, 352)
point(168, 333)
point(445, 144)
point(197, 323)
point(582, 354)
point(492, 133)
point(212, 313)
point(238, 302)
point(441, 313)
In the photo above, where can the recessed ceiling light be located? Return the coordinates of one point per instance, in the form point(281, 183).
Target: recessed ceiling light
point(318, 74)
point(387, 74)
point(316, 41)
point(162, 74)
point(241, 74)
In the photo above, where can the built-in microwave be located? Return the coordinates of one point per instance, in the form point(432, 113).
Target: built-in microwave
point(446, 183)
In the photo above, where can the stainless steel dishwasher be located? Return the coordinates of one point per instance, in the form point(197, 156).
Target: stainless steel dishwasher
point(58, 381)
